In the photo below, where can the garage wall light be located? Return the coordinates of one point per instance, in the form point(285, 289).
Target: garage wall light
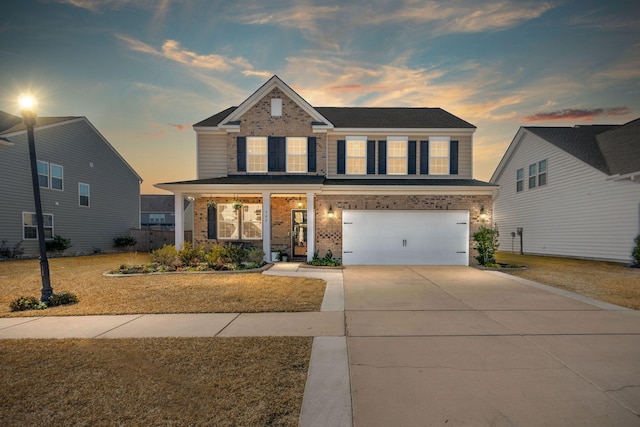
point(330, 213)
point(483, 214)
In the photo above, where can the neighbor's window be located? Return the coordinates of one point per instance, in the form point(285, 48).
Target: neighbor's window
point(83, 194)
point(439, 155)
point(519, 180)
point(532, 175)
point(397, 155)
point(256, 154)
point(356, 155)
point(30, 228)
point(245, 222)
point(56, 177)
point(542, 172)
point(252, 222)
point(297, 154)
point(156, 218)
point(43, 174)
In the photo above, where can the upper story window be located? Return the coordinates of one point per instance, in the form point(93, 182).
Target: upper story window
point(533, 173)
point(297, 154)
point(276, 107)
point(256, 154)
point(397, 155)
point(50, 175)
point(30, 228)
point(157, 218)
point(83, 194)
point(439, 155)
point(542, 172)
point(519, 180)
point(356, 155)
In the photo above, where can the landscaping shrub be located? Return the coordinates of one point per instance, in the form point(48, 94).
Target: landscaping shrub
point(487, 244)
point(255, 255)
point(27, 303)
point(166, 255)
point(62, 298)
point(190, 255)
point(235, 253)
point(215, 257)
point(635, 254)
point(124, 242)
point(59, 244)
point(326, 261)
point(14, 252)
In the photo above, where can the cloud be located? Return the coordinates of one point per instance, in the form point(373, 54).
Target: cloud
point(578, 113)
point(179, 127)
point(97, 6)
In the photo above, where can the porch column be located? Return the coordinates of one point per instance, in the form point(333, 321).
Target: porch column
point(179, 218)
point(266, 226)
point(311, 227)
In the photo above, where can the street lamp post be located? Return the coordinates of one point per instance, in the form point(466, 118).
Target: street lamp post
point(29, 119)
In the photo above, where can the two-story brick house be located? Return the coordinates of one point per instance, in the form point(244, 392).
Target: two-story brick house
point(372, 185)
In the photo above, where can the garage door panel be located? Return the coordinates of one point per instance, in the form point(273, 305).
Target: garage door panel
point(405, 237)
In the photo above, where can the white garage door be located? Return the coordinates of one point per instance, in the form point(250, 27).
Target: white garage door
point(405, 237)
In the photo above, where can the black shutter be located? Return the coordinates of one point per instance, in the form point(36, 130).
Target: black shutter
point(277, 153)
point(382, 157)
point(411, 158)
point(371, 157)
point(242, 153)
point(424, 157)
point(212, 217)
point(453, 158)
point(311, 154)
point(341, 157)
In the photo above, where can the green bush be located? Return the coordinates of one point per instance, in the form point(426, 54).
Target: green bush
point(255, 256)
point(59, 244)
point(635, 254)
point(215, 257)
point(124, 242)
point(190, 255)
point(26, 303)
point(486, 244)
point(166, 255)
point(7, 252)
point(326, 261)
point(62, 298)
point(235, 253)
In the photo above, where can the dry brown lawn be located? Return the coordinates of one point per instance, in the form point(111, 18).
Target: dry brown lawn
point(166, 293)
point(605, 281)
point(153, 382)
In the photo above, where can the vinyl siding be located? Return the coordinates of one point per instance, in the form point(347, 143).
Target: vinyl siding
point(464, 155)
point(577, 214)
point(85, 157)
point(213, 155)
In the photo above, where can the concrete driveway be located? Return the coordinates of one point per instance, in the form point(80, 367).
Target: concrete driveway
point(459, 346)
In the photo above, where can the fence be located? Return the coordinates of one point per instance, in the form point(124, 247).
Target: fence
point(150, 240)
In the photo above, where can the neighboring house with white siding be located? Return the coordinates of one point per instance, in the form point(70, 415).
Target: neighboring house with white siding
point(89, 193)
point(571, 191)
point(371, 185)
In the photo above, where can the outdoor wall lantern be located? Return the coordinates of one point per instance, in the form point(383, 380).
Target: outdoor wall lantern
point(28, 106)
point(483, 214)
point(330, 212)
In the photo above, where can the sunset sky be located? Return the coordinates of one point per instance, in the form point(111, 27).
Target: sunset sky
point(144, 71)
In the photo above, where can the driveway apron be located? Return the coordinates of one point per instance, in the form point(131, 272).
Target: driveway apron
point(460, 346)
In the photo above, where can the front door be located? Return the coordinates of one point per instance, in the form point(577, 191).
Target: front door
point(299, 233)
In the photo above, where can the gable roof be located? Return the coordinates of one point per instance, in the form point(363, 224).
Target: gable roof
point(157, 203)
point(345, 117)
point(611, 149)
point(13, 124)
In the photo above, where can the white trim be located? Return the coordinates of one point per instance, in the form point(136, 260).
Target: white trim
point(179, 227)
point(88, 195)
point(403, 131)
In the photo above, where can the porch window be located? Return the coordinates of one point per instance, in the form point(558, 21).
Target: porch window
point(439, 155)
point(519, 180)
point(397, 155)
point(256, 154)
point(236, 224)
point(30, 229)
point(297, 155)
point(356, 155)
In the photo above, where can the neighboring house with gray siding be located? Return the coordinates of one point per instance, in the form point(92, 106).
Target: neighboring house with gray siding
point(574, 191)
point(89, 193)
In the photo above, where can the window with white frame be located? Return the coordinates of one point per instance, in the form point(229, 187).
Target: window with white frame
point(533, 173)
point(30, 226)
point(256, 154)
point(83, 194)
point(397, 155)
point(356, 155)
point(234, 223)
point(439, 155)
point(56, 177)
point(542, 172)
point(297, 154)
point(519, 180)
point(43, 174)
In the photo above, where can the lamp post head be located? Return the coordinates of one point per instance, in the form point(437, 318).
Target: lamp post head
point(28, 106)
